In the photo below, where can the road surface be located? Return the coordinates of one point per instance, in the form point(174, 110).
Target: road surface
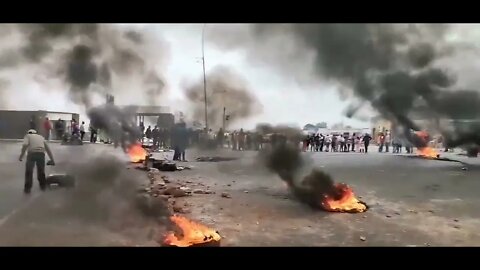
point(413, 202)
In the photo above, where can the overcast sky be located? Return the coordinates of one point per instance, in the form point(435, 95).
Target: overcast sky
point(282, 98)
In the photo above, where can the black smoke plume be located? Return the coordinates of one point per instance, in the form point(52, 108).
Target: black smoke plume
point(286, 160)
point(90, 59)
point(394, 67)
point(225, 88)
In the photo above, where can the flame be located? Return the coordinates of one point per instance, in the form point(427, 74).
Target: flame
point(137, 153)
point(193, 233)
point(428, 152)
point(347, 203)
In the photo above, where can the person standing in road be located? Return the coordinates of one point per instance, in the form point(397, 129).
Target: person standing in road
point(148, 134)
point(93, 133)
point(59, 129)
point(387, 141)
point(47, 127)
point(35, 146)
point(366, 141)
point(82, 131)
point(381, 142)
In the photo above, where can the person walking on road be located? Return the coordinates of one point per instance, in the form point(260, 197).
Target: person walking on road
point(366, 141)
point(82, 131)
point(35, 146)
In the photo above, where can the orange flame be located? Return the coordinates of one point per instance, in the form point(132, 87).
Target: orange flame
point(347, 203)
point(426, 151)
point(137, 153)
point(193, 233)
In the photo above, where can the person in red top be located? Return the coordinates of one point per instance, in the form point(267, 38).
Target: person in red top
point(381, 142)
point(47, 126)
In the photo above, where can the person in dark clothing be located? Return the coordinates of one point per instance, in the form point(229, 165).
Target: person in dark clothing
point(334, 143)
point(241, 140)
point(35, 146)
point(220, 138)
point(306, 143)
point(148, 133)
point(93, 134)
point(59, 129)
point(317, 142)
point(366, 141)
point(179, 141)
point(322, 142)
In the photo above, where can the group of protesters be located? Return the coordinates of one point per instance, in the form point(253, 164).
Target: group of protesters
point(337, 143)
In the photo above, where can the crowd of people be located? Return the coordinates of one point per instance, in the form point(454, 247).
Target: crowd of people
point(337, 143)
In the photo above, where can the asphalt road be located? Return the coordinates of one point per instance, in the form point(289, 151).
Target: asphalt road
point(413, 202)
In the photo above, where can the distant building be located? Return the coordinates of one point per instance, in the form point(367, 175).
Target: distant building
point(15, 124)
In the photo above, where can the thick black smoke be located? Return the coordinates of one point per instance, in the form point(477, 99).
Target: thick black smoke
point(225, 88)
point(393, 67)
point(118, 122)
point(90, 59)
point(286, 160)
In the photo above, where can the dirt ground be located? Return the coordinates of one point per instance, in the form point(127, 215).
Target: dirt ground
point(412, 203)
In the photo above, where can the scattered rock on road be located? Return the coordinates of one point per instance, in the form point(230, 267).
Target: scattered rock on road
point(363, 238)
point(199, 191)
point(226, 195)
point(175, 192)
point(388, 216)
point(246, 191)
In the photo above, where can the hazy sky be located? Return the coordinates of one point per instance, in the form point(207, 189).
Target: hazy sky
point(282, 98)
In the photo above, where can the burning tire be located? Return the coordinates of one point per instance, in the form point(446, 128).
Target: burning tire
point(192, 234)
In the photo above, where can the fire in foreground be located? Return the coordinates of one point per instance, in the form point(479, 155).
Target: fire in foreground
point(137, 153)
point(317, 188)
point(192, 234)
point(345, 202)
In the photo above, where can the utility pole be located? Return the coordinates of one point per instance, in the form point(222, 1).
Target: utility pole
point(204, 77)
point(224, 118)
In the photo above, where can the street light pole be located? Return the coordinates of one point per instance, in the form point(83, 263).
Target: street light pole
point(224, 116)
point(204, 77)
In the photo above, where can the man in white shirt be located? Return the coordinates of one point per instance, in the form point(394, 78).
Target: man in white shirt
point(82, 131)
point(35, 146)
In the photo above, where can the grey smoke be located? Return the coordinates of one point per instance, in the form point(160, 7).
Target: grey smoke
point(225, 88)
point(85, 56)
point(393, 67)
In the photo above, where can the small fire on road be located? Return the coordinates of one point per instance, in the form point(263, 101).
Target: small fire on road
point(344, 201)
point(427, 152)
point(137, 153)
point(192, 234)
